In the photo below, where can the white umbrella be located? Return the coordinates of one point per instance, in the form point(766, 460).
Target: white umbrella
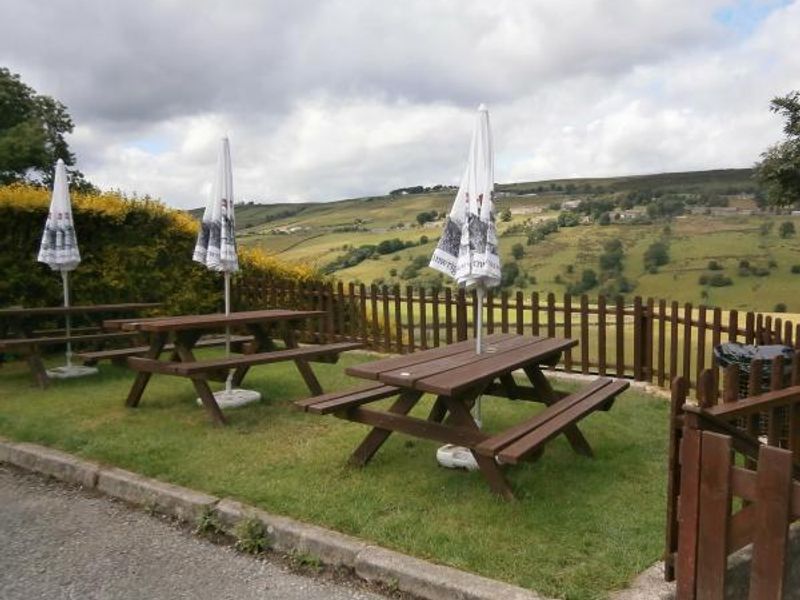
point(59, 251)
point(216, 249)
point(467, 250)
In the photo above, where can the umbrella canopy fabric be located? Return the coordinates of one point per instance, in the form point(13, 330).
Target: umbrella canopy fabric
point(59, 247)
point(216, 241)
point(467, 250)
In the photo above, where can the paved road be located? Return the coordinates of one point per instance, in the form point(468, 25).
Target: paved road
point(60, 543)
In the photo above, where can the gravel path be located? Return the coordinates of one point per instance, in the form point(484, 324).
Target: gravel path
point(58, 542)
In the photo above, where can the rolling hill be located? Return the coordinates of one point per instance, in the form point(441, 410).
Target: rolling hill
point(720, 223)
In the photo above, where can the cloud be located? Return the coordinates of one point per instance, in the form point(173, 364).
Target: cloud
point(340, 98)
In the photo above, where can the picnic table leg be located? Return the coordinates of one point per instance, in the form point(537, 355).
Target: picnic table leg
point(263, 343)
point(375, 438)
point(209, 402)
point(548, 395)
point(302, 365)
point(142, 378)
point(461, 417)
point(438, 410)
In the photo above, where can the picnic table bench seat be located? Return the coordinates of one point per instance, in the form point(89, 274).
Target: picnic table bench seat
point(23, 343)
point(528, 438)
point(201, 368)
point(117, 355)
point(344, 399)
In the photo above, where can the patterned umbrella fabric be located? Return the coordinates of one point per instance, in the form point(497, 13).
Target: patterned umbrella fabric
point(467, 250)
point(216, 242)
point(59, 247)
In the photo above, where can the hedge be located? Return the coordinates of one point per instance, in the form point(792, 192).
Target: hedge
point(132, 250)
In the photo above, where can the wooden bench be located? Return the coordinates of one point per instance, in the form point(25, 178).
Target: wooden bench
point(528, 438)
point(199, 369)
point(26, 343)
point(118, 355)
point(344, 399)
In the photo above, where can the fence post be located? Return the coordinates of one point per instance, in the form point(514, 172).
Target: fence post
point(714, 513)
point(461, 314)
point(772, 515)
point(638, 339)
point(674, 478)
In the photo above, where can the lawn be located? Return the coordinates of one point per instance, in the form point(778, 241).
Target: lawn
point(581, 527)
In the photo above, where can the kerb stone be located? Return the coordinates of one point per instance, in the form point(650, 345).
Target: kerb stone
point(50, 462)
point(176, 501)
point(430, 581)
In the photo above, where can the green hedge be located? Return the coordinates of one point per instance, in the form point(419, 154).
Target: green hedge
point(132, 250)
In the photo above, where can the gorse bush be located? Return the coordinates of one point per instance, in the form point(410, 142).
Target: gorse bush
point(132, 250)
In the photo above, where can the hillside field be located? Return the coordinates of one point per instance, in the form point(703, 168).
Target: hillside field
point(317, 234)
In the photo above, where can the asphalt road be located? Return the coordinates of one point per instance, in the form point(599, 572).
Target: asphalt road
point(57, 542)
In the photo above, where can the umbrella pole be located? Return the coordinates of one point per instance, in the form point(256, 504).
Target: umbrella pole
point(228, 382)
point(476, 410)
point(68, 327)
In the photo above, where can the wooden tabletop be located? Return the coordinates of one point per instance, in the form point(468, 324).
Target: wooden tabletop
point(449, 370)
point(80, 309)
point(185, 322)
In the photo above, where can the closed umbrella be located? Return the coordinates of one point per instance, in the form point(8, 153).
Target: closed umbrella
point(216, 249)
point(59, 251)
point(467, 250)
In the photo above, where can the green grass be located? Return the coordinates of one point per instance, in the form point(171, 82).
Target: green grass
point(581, 527)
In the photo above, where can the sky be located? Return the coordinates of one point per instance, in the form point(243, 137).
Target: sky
point(324, 100)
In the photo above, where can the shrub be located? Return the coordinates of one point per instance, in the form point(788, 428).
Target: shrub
point(509, 272)
point(780, 307)
point(714, 266)
point(719, 280)
point(795, 269)
point(703, 279)
point(517, 251)
point(568, 219)
point(656, 255)
point(133, 249)
point(786, 229)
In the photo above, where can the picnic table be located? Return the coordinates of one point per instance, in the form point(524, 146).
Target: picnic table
point(458, 376)
point(19, 332)
point(265, 327)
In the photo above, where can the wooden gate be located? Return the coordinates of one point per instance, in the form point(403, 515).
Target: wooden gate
point(724, 507)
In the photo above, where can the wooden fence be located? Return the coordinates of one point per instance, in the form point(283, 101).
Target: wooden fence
point(643, 339)
point(702, 527)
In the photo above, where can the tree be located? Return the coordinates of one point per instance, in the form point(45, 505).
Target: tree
point(656, 255)
point(786, 229)
point(779, 169)
point(517, 251)
point(32, 129)
point(508, 274)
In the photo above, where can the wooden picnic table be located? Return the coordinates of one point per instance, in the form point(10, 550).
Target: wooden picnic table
point(19, 333)
point(265, 327)
point(458, 376)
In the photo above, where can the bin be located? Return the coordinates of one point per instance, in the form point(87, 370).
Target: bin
point(742, 355)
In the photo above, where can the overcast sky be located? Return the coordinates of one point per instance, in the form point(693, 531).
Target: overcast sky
point(330, 99)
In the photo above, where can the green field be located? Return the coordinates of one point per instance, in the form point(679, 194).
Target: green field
point(313, 234)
